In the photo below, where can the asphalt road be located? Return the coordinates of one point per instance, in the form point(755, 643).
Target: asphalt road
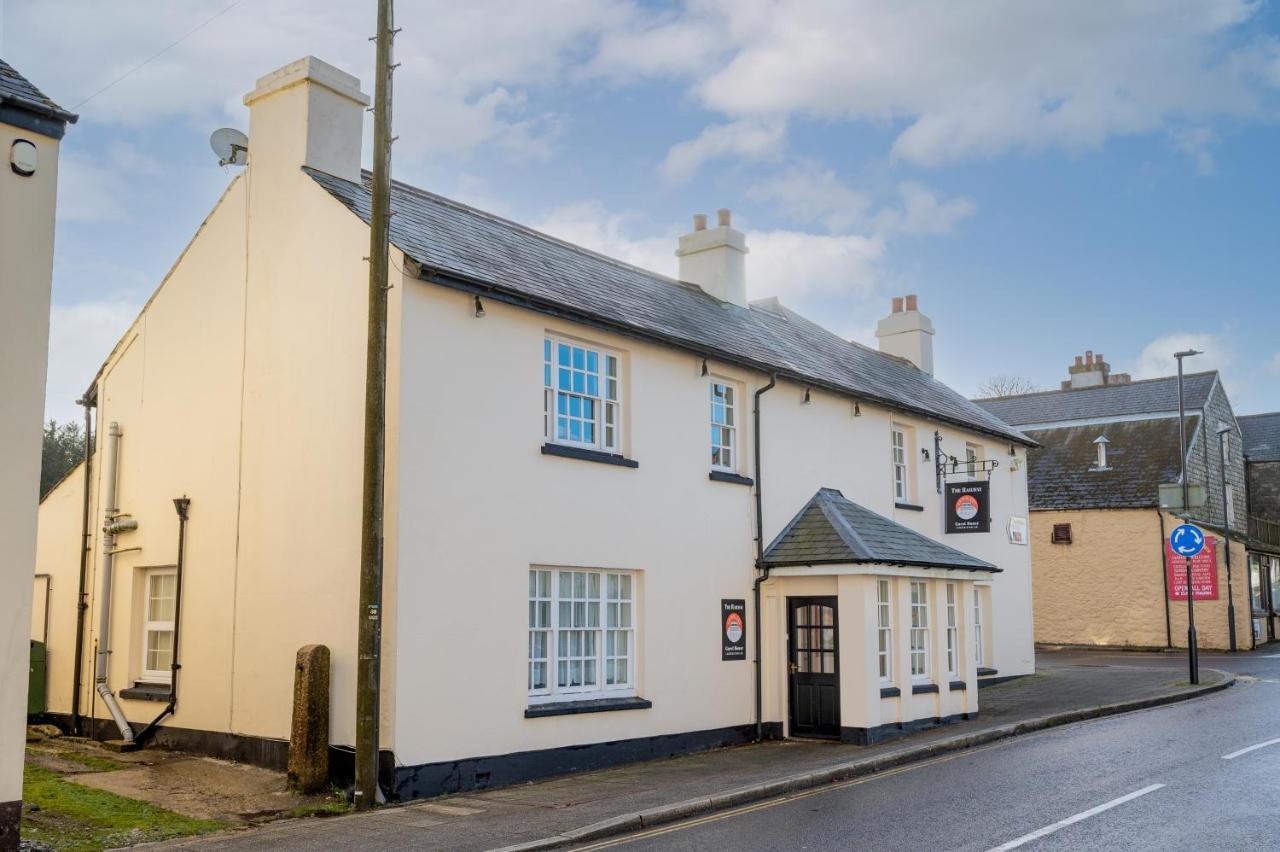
point(1168, 778)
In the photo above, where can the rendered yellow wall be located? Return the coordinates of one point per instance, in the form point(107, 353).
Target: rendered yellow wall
point(26, 269)
point(1107, 586)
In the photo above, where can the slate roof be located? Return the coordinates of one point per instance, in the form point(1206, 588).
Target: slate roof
point(833, 530)
point(17, 91)
point(1141, 455)
point(1149, 396)
point(462, 247)
point(1261, 436)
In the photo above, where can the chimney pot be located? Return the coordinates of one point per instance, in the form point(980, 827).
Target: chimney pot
point(897, 304)
point(1088, 357)
point(1097, 359)
point(913, 302)
point(699, 221)
point(723, 217)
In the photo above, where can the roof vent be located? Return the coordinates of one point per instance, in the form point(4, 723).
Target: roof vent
point(1100, 444)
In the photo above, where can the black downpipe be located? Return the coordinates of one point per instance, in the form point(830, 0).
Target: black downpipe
point(181, 504)
point(1164, 576)
point(1248, 573)
point(82, 602)
point(760, 566)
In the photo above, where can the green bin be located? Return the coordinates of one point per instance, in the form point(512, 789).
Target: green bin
point(37, 679)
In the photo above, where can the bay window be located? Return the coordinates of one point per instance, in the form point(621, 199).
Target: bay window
point(581, 403)
point(581, 634)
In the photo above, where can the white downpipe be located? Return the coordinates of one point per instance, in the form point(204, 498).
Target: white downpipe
point(110, 526)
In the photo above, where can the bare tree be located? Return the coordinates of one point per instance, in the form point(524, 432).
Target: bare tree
point(1006, 385)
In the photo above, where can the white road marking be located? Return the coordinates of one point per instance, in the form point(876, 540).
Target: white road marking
point(1236, 754)
point(1072, 820)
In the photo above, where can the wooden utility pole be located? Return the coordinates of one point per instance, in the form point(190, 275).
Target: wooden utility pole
point(368, 671)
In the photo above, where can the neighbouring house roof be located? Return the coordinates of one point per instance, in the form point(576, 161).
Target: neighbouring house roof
point(17, 92)
point(833, 530)
point(1261, 436)
point(1149, 396)
point(1141, 455)
point(462, 247)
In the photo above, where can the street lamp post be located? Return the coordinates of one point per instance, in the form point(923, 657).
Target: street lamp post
point(1193, 657)
point(1224, 444)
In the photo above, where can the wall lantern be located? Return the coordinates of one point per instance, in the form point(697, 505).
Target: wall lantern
point(807, 400)
point(924, 452)
point(857, 409)
point(479, 307)
point(704, 366)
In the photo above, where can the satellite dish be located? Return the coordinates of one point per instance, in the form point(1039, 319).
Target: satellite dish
point(231, 146)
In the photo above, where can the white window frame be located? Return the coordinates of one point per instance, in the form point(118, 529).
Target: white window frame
point(607, 621)
point(730, 427)
point(884, 630)
point(973, 459)
point(919, 645)
point(979, 651)
point(953, 631)
point(898, 455)
point(150, 625)
point(607, 401)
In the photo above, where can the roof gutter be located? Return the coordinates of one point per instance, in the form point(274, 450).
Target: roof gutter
point(454, 281)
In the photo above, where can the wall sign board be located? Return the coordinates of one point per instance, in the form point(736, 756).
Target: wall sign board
point(1204, 572)
point(733, 629)
point(1017, 530)
point(968, 507)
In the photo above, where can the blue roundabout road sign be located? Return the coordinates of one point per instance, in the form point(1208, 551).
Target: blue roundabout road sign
point(1186, 540)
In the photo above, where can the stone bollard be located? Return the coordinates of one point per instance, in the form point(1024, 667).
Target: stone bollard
point(309, 736)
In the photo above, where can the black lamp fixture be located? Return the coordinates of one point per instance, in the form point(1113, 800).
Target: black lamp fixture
point(807, 400)
point(479, 307)
point(924, 452)
point(857, 409)
point(704, 366)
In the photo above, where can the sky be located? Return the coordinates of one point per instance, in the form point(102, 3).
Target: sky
point(1049, 177)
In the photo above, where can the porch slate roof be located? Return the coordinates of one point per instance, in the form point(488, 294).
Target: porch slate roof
point(831, 529)
point(469, 249)
point(18, 91)
point(1147, 396)
point(1261, 434)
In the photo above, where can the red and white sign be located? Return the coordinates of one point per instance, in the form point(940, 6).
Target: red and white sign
point(1204, 572)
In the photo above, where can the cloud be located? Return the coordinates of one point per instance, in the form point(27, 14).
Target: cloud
point(98, 187)
point(751, 140)
point(1195, 142)
point(80, 336)
point(1156, 358)
point(922, 212)
point(977, 80)
point(1272, 365)
point(809, 192)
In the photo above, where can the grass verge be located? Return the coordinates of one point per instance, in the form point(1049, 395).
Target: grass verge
point(70, 816)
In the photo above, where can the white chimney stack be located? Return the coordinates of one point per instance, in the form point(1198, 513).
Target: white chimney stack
point(307, 113)
point(907, 333)
point(715, 258)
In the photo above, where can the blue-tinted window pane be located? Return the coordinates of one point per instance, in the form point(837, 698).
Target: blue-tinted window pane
point(589, 409)
point(546, 375)
point(562, 429)
point(589, 432)
point(563, 352)
point(575, 406)
point(575, 430)
point(578, 357)
point(563, 378)
point(546, 349)
point(579, 386)
point(593, 385)
point(562, 403)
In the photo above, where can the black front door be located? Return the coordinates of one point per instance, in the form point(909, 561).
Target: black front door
point(813, 666)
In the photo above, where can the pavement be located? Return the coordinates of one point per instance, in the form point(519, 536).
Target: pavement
point(581, 808)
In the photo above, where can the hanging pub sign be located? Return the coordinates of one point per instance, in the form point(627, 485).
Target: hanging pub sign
point(968, 507)
point(733, 629)
point(1204, 572)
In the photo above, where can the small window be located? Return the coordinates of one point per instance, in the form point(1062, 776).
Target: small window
point(919, 630)
point(724, 427)
point(900, 489)
point(953, 632)
point(884, 631)
point(581, 634)
point(160, 590)
point(1061, 534)
point(972, 460)
point(581, 395)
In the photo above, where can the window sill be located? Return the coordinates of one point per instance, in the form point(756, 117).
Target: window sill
point(725, 476)
point(592, 705)
point(147, 692)
point(983, 671)
point(588, 455)
point(890, 692)
point(923, 688)
point(910, 507)
point(958, 685)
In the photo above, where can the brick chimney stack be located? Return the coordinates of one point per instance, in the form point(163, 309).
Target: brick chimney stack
point(1091, 370)
point(907, 333)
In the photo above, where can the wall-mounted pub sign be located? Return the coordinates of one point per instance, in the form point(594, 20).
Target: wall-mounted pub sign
point(968, 506)
point(733, 629)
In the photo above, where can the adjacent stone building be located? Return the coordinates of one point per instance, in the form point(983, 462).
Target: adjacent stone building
point(1261, 433)
point(1098, 521)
